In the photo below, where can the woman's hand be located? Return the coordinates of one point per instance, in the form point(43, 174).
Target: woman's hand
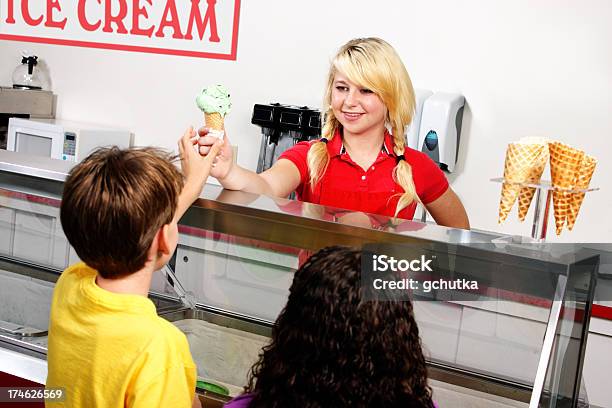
point(196, 167)
point(278, 181)
point(224, 161)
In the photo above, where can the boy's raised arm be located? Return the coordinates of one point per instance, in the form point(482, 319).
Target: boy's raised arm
point(196, 169)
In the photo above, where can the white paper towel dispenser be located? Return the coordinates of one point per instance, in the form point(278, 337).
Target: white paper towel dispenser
point(440, 128)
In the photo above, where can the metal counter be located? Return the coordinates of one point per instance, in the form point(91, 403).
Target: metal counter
point(523, 339)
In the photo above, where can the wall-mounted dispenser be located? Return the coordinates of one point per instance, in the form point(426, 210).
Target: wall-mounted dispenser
point(412, 135)
point(440, 128)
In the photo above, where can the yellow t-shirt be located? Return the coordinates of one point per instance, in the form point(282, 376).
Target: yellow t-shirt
point(112, 350)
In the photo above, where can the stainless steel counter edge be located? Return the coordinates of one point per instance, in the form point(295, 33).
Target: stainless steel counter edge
point(57, 170)
point(263, 209)
point(306, 214)
point(34, 166)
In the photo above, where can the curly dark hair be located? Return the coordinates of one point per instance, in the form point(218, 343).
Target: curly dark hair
point(332, 348)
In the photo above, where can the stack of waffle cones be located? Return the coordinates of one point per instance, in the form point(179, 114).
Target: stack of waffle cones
point(216, 123)
point(525, 162)
point(570, 169)
point(536, 168)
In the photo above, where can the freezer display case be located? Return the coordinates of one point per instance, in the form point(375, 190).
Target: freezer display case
point(518, 341)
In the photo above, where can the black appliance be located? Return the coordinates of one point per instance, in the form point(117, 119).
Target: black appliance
point(282, 126)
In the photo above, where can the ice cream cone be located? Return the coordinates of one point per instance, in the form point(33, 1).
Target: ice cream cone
point(585, 173)
point(519, 160)
point(534, 176)
point(215, 102)
point(214, 121)
point(564, 165)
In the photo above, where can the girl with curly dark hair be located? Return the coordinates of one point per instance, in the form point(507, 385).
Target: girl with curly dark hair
point(332, 348)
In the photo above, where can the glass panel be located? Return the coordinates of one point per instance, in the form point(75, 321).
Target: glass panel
point(31, 230)
point(243, 276)
point(236, 258)
point(239, 252)
point(563, 384)
point(25, 302)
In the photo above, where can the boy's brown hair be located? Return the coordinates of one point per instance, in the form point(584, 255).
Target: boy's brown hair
point(113, 204)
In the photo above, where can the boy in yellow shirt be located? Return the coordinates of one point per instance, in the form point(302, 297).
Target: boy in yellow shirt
point(107, 346)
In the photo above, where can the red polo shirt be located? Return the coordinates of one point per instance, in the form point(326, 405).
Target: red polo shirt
point(346, 185)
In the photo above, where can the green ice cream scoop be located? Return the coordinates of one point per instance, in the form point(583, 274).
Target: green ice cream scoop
point(211, 387)
point(215, 98)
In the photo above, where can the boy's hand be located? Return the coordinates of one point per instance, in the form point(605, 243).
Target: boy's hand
point(225, 159)
point(195, 166)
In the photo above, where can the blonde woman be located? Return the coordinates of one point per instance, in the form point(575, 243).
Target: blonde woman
point(361, 162)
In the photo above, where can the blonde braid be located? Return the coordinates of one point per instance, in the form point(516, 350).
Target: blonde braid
point(402, 175)
point(318, 156)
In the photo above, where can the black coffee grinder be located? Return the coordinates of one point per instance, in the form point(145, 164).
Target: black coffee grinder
point(283, 126)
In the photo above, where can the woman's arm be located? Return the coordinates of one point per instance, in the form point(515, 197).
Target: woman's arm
point(448, 210)
point(278, 181)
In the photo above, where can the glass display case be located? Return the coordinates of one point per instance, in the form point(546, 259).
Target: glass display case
point(519, 340)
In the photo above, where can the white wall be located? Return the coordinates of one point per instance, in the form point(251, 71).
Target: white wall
point(526, 68)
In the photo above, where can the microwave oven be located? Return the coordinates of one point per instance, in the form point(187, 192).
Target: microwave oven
point(60, 139)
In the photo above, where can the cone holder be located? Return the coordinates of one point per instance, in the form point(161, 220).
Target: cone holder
point(543, 198)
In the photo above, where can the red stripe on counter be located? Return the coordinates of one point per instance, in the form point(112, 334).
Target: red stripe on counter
point(52, 202)
point(218, 236)
point(601, 312)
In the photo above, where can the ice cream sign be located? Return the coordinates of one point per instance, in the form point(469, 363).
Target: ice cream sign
point(196, 28)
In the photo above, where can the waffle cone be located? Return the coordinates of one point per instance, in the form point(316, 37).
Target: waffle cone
point(564, 165)
point(585, 173)
point(214, 121)
point(534, 176)
point(519, 160)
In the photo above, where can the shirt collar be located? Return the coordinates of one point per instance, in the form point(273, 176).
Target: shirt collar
point(335, 147)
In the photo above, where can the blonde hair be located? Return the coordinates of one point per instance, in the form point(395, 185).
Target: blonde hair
point(375, 65)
